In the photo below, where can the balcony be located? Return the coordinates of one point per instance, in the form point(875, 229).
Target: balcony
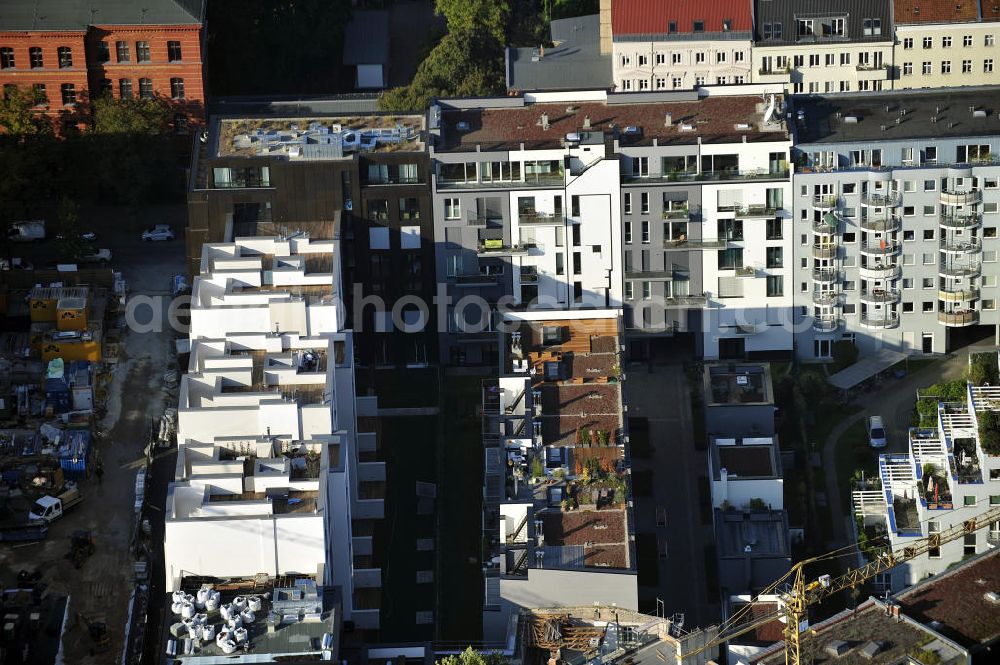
point(649, 275)
point(959, 319)
point(888, 225)
point(774, 75)
point(824, 251)
point(826, 298)
point(827, 227)
point(958, 295)
point(761, 211)
point(873, 72)
point(676, 213)
point(541, 218)
point(678, 302)
point(883, 321)
point(477, 279)
point(880, 271)
point(956, 269)
point(529, 275)
point(825, 202)
point(825, 276)
point(746, 271)
point(695, 243)
point(883, 248)
point(826, 323)
point(874, 200)
point(960, 221)
point(530, 182)
point(952, 198)
point(880, 296)
point(706, 176)
point(961, 246)
point(499, 248)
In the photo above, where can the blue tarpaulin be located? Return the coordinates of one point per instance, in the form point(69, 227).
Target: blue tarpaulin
point(74, 447)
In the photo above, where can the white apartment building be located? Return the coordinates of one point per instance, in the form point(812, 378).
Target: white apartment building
point(272, 472)
point(823, 46)
point(945, 478)
point(746, 472)
point(945, 44)
point(668, 46)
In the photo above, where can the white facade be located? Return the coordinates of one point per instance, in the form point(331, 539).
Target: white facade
point(946, 55)
point(825, 68)
point(642, 66)
point(269, 456)
point(736, 488)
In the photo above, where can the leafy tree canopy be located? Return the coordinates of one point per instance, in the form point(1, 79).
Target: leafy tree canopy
point(130, 116)
point(472, 657)
point(18, 116)
point(480, 17)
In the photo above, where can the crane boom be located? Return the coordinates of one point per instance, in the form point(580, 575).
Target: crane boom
point(802, 595)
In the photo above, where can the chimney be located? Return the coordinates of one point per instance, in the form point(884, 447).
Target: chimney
point(668, 120)
point(544, 121)
point(586, 122)
point(605, 18)
point(541, 51)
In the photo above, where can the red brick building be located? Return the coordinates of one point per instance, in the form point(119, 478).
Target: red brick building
point(65, 52)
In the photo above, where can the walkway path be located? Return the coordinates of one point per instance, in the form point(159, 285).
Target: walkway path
point(895, 403)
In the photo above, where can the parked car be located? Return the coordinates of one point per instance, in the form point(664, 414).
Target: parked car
point(158, 232)
point(16, 263)
point(876, 432)
point(102, 256)
point(30, 231)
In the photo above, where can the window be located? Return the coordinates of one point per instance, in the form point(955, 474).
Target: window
point(775, 286)
point(931, 185)
point(35, 58)
point(930, 210)
point(103, 52)
point(643, 60)
point(946, 66)
point(628, 232)
point(661, 58)
point(966, 66)
point(805, 27)
point(627, 205)
point(174, 51)
point(969, 500)
point(934, 526)
point(39, 94)
point(104, 87)
point(629, 293)
point(676, 82)
point(774, 257)
point(973, 153)
point(969, 544)
point(176, 88)
point(675, 58)
point(409, 208)
point(967, 41)
point(730, 259)
point(699, 57)
point(907, 282)
point(122, 52)
point(145, 88)
point(907, 69)
point(142, 52)
point(908, 42)
point(577, 263)
point(928, 42)
point(773, 229)
point(647, 290)
point(452, 209)
point(645, 232)
point(574, 202)
point(661, 83)
point(65, 55)
point(946, 42)
point(814, 59)
point(988, 66)
point(988, 40)
point(720, 57)
point(926, 68)
point(872, 26)
point(907, 306)
point(644, 203)
point(739, 56)
point(68, 93)
point(6, 58)
point(672, 27)
point(699, 26)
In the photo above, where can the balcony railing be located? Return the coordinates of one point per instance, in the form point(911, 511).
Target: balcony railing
point(825, 202)
point(953, 198)
point(826, 298)
point(952, 269)
point(960, 221)
point(882, 249)
point(475, 219)
point(880, 295)
point(695, 243)
point(958, 319)
point(959, 295)
point(541, 218)
point(756, 211)
point(823, 228)
point(874, 200)
point(825, 276)
point(824, 251)
point(477, 279)
point(888, 320)
point(686, 301)
point(826, 323)
point(707, 176)
point(676, 213)
point(529, 182)
point(502, 249)
point(961, 245)
point(880, 271)
point(892, 223)
point(746, 271)
point(529, 275)
point(874, 72)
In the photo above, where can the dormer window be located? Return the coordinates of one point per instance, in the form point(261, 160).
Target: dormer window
point(699, 26)
point(727, 25)
point(805, 27)
point(672, 27)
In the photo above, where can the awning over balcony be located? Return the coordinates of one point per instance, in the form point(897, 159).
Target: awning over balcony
point(866, 368)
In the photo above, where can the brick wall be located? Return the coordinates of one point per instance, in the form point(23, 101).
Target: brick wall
point(89, 69)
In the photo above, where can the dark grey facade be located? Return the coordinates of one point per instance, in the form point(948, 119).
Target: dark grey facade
point(776, 22)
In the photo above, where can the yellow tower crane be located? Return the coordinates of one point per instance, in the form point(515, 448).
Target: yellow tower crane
point(800, 595)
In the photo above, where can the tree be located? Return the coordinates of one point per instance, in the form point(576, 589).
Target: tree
point(70, 245)
point(19, 117)
point(130, 116)
point(478, 17)
point(472, 657)
point(461, 65)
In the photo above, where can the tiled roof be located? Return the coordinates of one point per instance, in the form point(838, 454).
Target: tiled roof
point(957, 600)
point(640, 17)
point(78, 14)
point(935, 11)
point(786, 12)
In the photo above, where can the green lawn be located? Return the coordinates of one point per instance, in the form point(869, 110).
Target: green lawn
point(851, 453)
point(460, 494)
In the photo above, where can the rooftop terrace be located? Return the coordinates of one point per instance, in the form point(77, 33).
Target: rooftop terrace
point(634, 121)
point(733, 383)
point(746, 458)
point(316, 138)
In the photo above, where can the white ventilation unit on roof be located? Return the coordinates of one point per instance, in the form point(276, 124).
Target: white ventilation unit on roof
point(979, 113)
point(686, 127)
point(851, 119)
point(743, 126)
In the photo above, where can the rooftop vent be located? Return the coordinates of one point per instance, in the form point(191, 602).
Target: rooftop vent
point(870, 650)
point(851, 119)
point(686, 127)
point(586, 122)
point(668, 120)
point(979, 113)
point(573, 137)
point(743, 126)
point(836, 648)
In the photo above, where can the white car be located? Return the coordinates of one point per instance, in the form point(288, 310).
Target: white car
point(102, 256)
point(158, 232)
point(876, 432)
